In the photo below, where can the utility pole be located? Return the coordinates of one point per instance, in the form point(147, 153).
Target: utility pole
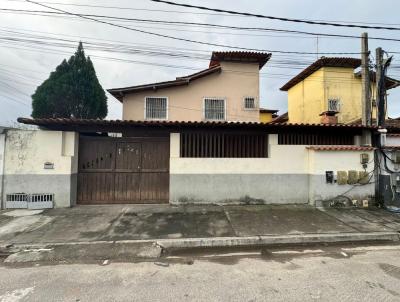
point(365, 94)
point(380, 91)
point(365, 98)
point(380, 120)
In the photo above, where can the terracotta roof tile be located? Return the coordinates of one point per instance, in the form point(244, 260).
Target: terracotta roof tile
point(264, 110)
point(392, 124)
point(73, 121)
point(340, 148)
point(391, 147)
point(283, 118)
point(179, 81)
point(239, 56)
point(322, 62)
point(390, 82)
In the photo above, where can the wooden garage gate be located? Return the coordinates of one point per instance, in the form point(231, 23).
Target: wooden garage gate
point(123, 170)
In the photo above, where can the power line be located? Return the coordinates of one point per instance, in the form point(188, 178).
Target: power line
point(177, 23)
point(180, 39)
point(127, 8)
point(275, 18)
point(314, 34)
point(184, 12)
point(123, 49)
point(43, 40)
point(7, 97)
point(20, 37)
point(337, 80)
point(116, 48)
point(150, 46)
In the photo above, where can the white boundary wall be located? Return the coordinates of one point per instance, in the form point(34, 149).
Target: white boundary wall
point(291, 174)
point(38, 161)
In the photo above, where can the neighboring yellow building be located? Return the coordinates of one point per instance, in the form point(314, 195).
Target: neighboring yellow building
point(267, 115)
point(329, 86)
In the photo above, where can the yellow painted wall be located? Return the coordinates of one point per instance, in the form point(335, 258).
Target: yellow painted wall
point(305, 99)
point(185, 103)
point(309, 98)
point(340, 83)
point(266, 117)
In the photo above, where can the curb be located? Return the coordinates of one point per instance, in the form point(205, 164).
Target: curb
point(277, 240)
point(154, 248)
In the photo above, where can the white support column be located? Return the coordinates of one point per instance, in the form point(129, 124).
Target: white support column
point(273, 139)
point(174, 145)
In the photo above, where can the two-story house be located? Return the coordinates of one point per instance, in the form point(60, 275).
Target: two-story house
point(329, 86)
point(228, 90)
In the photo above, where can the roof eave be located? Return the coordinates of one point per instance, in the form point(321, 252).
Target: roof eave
point(119, 93)
point(51, 122)
point(321, 63)
point(239, 57)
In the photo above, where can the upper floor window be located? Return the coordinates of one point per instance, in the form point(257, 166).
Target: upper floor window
point(249, 103)
point(334, 105)
point(156, 108)
point(214, 109)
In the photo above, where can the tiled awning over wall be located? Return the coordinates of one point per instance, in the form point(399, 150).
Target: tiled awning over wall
point(163, 128)
point(50, 122)
point(340, 148)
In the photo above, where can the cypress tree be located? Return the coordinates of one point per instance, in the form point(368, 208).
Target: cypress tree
point(72, 90)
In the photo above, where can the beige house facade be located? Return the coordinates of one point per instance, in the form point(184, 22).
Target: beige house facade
point(227, 91)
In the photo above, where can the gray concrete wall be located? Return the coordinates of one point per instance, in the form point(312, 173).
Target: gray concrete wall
point(239, 188)
point(321, 191)
point(60, 185)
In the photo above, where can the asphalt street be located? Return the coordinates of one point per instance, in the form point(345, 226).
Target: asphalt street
point(366, 273)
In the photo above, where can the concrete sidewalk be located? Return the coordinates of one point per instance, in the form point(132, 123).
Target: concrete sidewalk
point(168, 226)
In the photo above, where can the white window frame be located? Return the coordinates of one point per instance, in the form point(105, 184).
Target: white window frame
point(215, 98)
point(255, 103)
point(145, 107)
point(338, 104)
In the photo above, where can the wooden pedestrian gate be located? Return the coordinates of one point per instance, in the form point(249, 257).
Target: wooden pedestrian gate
point(123, 170)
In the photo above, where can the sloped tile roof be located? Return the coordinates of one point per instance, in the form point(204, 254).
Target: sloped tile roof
point(179, 81)
point(390, 82)
point(163, 123)
point(283, 118)
point(322, 62)
point(264, 110)
point(239, 56)
point(340, 148)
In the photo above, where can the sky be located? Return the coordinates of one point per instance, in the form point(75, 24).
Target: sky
point(32, 44)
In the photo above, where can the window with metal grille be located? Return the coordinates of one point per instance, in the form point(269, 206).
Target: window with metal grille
point(249, 103)
point(333, 105)
point(156, 108)
point(214, 109)
point(228, 145)
point(294, 138)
